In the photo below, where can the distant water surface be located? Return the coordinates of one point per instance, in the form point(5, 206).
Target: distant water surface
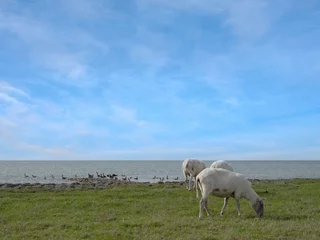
point(13, 171)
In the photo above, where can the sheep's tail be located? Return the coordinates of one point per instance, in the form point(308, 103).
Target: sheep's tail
point(197, 182)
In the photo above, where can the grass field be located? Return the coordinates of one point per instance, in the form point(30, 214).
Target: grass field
point(159, 211)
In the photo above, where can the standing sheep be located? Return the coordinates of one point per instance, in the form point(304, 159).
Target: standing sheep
point(192, 167)
point(224, 184)
point(222, 164)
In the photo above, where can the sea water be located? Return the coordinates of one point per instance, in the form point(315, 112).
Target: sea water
point(52, 171)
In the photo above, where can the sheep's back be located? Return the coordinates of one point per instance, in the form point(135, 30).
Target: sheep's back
point(219, 178)
point(193, 166)
point(222, 164)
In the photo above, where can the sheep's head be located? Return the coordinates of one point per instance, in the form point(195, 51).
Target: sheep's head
point(259, 207)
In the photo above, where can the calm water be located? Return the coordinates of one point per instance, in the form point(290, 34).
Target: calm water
point(13, 171)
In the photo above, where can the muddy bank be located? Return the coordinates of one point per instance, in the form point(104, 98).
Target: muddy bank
point(79, 183)
point(98, 183)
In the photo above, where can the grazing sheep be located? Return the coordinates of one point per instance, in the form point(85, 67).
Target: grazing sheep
point(223, 183)
point(192, 167)
point(222, 164)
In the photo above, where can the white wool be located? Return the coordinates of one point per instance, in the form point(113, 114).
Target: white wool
point(222, 164)
point(191, 168)
point(223, 183)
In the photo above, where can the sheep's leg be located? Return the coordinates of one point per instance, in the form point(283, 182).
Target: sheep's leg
point(194, 182)
point(224, 205)
point(206, 207)
point(201, 208)
point(204, 204)
point(238, 206)
point(198, 186)
point(190, 180)
point(186, 179)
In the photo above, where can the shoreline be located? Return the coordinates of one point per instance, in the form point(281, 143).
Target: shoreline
point(80, 183)
point(97, 183)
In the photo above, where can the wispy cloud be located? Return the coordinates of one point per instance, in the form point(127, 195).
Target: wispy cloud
point(6, 87)
point(125, 115)
point(159, 79)
point(48, 46)
point(143, 54)
point(247, 18)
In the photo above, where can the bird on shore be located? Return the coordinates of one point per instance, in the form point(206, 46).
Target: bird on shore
point(25, 175)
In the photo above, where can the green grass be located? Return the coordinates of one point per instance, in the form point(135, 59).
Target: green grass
point(159, 211)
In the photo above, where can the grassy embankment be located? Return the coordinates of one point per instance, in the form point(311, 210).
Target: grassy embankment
point(159, 211)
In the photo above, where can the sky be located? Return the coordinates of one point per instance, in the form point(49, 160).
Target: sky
point(159, 79)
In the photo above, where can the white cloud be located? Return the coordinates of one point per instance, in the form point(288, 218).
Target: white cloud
point(65, 63)
point(49, 48)
point(206, 6)
point(6, 98)
point(6, 87)
point(84, 10)
point(125, 115)
point(151, 153)
point(232, 101)
point(23, 124)
point(5, 123)
point(26, 151)
point(11, 100)
point(247, 18)
point(220, 73)
point(140, 106)
point(149, 56)
point(310, 153)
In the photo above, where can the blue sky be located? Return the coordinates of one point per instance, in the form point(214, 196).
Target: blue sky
point(160, 79)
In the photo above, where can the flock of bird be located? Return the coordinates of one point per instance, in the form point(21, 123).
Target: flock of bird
point(108, 176)
point(161, 179)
